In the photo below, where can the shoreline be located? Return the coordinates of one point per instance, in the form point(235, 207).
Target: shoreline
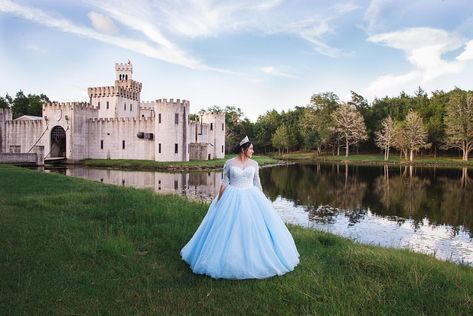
point(377, 160)
point(180, 166)
point(272, 161)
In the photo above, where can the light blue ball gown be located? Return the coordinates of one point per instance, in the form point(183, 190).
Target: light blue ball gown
point(241, 236)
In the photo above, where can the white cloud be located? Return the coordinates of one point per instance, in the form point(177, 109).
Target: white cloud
point(210, 18)
point(423, 48)
point(270, 70)
point(166, 52)
point(467, 54)
point(102, 23)
point(372, 13)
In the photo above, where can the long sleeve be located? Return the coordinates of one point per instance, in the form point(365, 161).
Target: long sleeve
point(256, 179)
point(226, 174)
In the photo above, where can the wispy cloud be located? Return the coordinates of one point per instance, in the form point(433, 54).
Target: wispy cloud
point(270, 70)
point(210, 18)
point(102, 23)
point(315, 30)
point(423, 48)
point(166, 53)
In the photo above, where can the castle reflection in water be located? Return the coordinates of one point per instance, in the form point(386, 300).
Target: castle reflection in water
point(199, 185)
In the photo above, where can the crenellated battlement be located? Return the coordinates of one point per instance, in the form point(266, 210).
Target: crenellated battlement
point(124, 67)
point(172, 102)
point(148, 105)
point(114, 91)
point(119, 119)
point(25, 122)
point(80, 105)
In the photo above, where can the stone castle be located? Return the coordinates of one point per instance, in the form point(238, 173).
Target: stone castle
point(116, 124)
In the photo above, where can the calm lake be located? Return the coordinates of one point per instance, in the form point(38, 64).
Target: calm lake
point(425, 209)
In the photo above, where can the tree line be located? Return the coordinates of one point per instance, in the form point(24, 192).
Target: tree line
point(21, 104)
point(407, 123)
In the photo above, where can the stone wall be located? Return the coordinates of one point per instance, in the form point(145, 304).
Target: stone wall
point(200, 151)
point(22, 136)
point(106, 137)
point(36, 157)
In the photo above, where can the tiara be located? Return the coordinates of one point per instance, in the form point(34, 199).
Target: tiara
point(244, 141)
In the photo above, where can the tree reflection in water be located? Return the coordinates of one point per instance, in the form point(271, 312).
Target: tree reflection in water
point(422, 195)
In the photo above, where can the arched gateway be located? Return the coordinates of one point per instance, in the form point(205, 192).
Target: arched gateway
point(58, 142)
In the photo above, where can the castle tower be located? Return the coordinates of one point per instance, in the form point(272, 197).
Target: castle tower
point(172, 132)
point(120, 100)
point(216, 133)
point(124, 71)
point(5, 116)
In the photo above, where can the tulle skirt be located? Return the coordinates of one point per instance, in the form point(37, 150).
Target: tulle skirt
point(241, 237)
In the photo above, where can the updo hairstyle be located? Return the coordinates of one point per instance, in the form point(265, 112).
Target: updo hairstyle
point(239, 148)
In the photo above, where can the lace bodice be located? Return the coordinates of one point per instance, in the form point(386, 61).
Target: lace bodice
point(241, 175)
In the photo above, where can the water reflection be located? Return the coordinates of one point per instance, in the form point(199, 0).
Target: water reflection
point(200, 185)
point(425, 209)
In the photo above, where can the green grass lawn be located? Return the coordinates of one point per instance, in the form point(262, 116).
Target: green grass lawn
point(76, 247)
point(377, 159)
point(170, 166)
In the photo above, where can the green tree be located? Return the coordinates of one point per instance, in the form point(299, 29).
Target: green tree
point(433, 116)
point(265, 127)
point(5, 102)
point(317, 117)
point(20, 105)
point(280, 139)
point(27, 105)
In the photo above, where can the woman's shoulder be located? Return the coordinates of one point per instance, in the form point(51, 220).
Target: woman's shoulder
point(229, 162)
point(254, 162)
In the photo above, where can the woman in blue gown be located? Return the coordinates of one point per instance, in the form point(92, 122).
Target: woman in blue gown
point(241, 236)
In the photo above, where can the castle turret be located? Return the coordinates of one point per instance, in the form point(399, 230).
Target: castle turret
point(5, 116)
point(120, 100)
point(124, 71)
point(172, 130)
point(216, 133)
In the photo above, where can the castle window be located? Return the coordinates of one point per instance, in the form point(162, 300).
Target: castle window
point(131, 107)
point(159, 148)
point(107, 105)
point(159, 118)
point(124, 106)
point(211, 126)
point(98, 105)
point(222, 148)
point(223, 127)
point(123, 144)
point(176, 147)
point(101, 144)
point(176, 118)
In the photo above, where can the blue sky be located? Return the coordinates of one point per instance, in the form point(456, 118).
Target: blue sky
point(256, 55)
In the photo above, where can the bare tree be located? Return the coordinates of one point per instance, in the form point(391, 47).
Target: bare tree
point(459, 122)
point(399, 139)
point(415, 133)
point(349, 126)
point(384, 137)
